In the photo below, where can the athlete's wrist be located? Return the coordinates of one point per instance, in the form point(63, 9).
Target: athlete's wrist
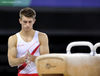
point(27, 60)
point(33, 58)
point(23, 60)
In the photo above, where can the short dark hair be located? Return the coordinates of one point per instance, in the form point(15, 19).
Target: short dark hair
point(27, 12)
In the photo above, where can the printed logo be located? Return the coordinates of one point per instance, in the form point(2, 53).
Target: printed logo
point(48, 66)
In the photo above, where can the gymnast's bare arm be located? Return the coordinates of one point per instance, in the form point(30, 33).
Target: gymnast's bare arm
point(12, 52)
point(44, 47)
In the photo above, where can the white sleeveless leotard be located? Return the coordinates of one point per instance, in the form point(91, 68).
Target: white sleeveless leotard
point(33, 48)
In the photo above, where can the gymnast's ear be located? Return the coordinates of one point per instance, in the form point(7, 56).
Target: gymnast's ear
point(20, 20)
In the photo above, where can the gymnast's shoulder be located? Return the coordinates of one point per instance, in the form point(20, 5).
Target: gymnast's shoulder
point(42, 35)
point(12, 38)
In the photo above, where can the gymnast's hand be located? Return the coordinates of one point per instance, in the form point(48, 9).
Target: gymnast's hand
point(29, 57)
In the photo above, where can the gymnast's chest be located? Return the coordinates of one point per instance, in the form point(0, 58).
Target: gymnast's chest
point(23, 48)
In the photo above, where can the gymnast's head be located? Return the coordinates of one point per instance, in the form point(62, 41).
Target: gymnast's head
point(27, 18)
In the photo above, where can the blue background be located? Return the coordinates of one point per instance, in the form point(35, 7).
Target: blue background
point(65, 3)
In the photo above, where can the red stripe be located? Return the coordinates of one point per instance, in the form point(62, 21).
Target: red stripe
point(21, 67)
point(35, 50)
point(28, 75)
point(24, 65)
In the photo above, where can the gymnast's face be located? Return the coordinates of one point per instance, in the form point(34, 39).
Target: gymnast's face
point(27, 23)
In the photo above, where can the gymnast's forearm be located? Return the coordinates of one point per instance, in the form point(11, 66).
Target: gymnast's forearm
point(16, 61)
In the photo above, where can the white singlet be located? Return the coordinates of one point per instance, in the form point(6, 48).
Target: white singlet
point(33, 48)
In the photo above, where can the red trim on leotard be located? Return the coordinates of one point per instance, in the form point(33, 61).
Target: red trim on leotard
point(28, 74)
